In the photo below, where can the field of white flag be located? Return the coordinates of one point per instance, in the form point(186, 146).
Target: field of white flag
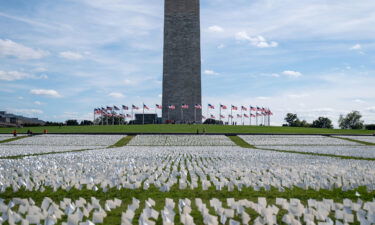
point(187, 179)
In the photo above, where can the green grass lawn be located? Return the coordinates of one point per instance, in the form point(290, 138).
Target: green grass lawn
point(164, 128)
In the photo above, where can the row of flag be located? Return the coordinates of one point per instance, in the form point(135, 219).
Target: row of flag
point(183, 106)
point(111, 111)
point(239, 116)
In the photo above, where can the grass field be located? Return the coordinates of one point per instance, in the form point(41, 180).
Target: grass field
point(184, 129)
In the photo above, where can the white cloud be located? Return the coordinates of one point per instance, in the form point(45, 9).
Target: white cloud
point(71, 55)
point(221, 46)
point(295, 96)
point(291, 73)
point(28, 112)
point(210, 72)
point(11, 48)
point(257, 41)
point(129, 82)
point(215, 28)
point(263, 98)
point(46, 92)
point(16, 75)
point(275, 75)
point(116, 95)
point(360, 101)
point(160, 96)
point(37, 103)
point(371, 109)
point(356, 47)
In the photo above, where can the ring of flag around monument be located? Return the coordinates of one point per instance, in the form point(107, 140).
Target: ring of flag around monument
point(211, 106)
point(135, 107)
point(184, 106)
point(223, 107)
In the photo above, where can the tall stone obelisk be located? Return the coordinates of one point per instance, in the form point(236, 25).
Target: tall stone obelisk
point(182, 60)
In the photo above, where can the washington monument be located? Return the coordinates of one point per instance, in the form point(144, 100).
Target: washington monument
point(182, 61)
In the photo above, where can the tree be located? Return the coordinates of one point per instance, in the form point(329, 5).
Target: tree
point(71, 123)
point(291, 119)
point(351, 121)
point(322, 122)
point(86, 122)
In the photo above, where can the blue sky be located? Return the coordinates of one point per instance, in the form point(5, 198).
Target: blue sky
point(60, 59)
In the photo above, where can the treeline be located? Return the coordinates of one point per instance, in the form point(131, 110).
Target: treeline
point(350, 121)
point(69, 123)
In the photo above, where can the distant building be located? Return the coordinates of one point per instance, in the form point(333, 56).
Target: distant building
point(11, 120)
point(148, 119)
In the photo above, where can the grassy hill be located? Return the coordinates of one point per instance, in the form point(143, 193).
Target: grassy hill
point(164, 128)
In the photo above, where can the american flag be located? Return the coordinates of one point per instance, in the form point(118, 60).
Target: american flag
point(115, 108)
point(172, 107)
point(211, 106)
point(145, 107)
point(258, 114)
point(103, 109)
point(239, 116)
point(159, 106)
point(246, 116)
point(135, 107)
point(109, 108)
point(223, 106)
point(124, 107)
point(128, 115)
point(252, 115)
point(253, 108)
point(234, 107)
point(243, 108)
point(212, 116)
point(258, 108)
point(184, 106)
point(222, 116)
point(197, 106)
point(230, 116)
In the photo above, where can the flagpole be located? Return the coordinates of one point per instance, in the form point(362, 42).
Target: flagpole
point(156, 114)
point(220, 111)
point(182, 114)
point(143, 118)
point(113, 118)
point(241, 116)
point(132, 112)
point(207, 111)
point(231, 115)
point(102, 119)
point(195, 114)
